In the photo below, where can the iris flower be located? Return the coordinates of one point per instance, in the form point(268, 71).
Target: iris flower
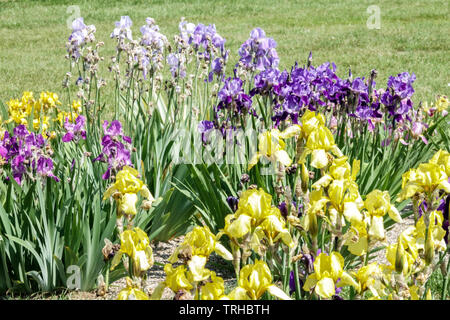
point(427, 178)
point(377, 204)
point(255, 215)
point(200, 242)
point(136, 245)
point(125, 191)
point(328, 270)
point(254, 280)
point(132, 292)
point(319, 143)
point(272, 146)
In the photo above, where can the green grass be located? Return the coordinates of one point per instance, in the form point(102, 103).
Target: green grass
point(413, 36)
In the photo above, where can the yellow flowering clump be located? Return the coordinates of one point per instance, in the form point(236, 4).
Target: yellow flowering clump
point(272, 146)
point(319, 141)
point(328, 269)
point(27, 106)
point(125, 191)
point(256, 216)
point(254, 280)
point(199, 242)
point(132, 292)
point(136, 245)
point(370, 277)
point(426, 179)
point(342, 190)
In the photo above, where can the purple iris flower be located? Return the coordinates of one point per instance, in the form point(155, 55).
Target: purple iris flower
point(123, 28)
point(76, 130)
point(26, 154)
point(176, 64)
point(233, 98)
point(114, 152)
point(258, 52)
point(397, 96)
point(204, 127)
point(292, 286)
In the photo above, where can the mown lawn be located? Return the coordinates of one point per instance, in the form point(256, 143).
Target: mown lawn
point(413, 36)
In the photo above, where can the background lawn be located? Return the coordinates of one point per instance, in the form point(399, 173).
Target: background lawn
point(414, 36)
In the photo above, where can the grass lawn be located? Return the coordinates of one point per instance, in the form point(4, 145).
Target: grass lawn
point(413, 36)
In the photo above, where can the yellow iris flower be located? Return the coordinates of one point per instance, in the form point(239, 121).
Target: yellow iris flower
point(319, 143)
point(125, 190)
point(377, 204)
point(272, 146)
point(255, 214)
point(369, 277)
point(132, 292)
point(327, 270)
point(427, 178)
point(403, 254)
point(200, 242)
point(357, 239)
point(254, 280)
point(136, 245)
point(311, 121)
point(212, 290)
point(442, 159)
point(176, 280)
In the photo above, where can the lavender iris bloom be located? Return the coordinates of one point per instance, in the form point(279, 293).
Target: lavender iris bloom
point(258, 52)
point(122, 29)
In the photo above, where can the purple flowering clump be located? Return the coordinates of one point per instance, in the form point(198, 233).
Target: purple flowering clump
point(27, 155)
point(269, 81)
point(75, 131)
point(397, 96)
point(233, 98)
point(258, 52)
point(114, 152)
point(309, 88)
point(208, 45)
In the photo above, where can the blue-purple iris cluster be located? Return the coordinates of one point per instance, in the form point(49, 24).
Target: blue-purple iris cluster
point(28, 154)
point(115, 152)
point(258, 53)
